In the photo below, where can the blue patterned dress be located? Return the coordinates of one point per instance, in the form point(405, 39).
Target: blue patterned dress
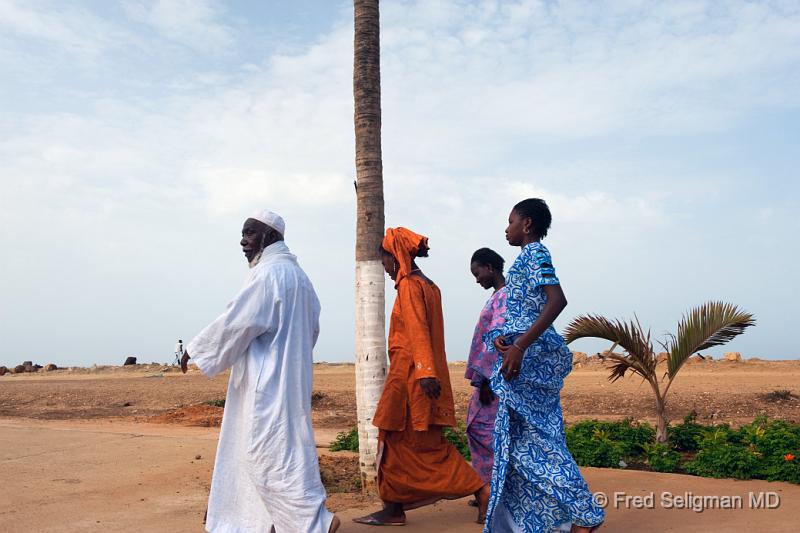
point(536, 485)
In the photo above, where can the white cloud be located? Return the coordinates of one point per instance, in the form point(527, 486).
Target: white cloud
point(192, 23)
point(483, 104)
point(72, 29)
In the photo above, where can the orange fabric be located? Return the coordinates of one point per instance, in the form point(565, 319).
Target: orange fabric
point(403, 244)
point(420, 467)
point(416, 350)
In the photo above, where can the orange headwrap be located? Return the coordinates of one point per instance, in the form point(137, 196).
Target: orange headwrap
point(403, 244)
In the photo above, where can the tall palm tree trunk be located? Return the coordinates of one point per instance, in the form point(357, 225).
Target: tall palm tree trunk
point(370, 313)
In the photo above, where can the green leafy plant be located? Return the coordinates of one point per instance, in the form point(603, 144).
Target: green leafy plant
point(591, 444)
point(661, 457)
point(216, 403)
point(711, 324)
point(346, 441)
point(686, 435)
point(457, 436)
point(765, 449)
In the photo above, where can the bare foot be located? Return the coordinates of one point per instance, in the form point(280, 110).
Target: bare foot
point(482, 497)
point(335, 523)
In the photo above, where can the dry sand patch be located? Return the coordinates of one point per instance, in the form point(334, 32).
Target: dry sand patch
point(718, 391)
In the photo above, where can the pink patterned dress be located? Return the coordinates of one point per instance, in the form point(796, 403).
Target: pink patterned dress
point(480, 418)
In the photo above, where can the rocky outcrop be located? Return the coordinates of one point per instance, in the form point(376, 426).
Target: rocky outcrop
point(3, 370)
point(733, 357)
point(579, 358)
point(50, 367)
point(129, 361)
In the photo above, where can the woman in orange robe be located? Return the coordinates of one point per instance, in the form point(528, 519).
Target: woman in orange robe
point(416, 464)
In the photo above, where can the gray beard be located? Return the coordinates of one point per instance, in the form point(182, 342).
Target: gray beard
point(256, 258)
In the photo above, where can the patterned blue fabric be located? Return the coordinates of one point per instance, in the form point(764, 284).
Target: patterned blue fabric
point(534, 475)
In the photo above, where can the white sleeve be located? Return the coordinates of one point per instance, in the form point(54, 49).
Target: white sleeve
point(225, 340)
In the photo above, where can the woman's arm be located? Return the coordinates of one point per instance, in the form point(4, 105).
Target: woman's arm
point(513, 353)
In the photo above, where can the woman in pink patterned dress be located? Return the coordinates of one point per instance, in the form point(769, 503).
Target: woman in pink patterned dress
point(487, 267)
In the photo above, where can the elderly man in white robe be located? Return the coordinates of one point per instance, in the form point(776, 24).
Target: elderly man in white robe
point(266, 475)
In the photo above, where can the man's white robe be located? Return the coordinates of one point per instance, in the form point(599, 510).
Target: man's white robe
point(266, 472)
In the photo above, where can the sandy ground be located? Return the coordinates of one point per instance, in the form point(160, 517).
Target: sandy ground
point(718, 391)
point(79, 451)
point(67, 476)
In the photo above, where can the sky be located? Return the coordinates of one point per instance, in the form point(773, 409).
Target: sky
point(136, 136)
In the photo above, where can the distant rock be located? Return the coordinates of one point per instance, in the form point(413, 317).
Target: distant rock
point(27, 363)
point(19, 369)
point(129, 361)
point(579, 358)
point(3, 370)
point(50, 367)
point(734, 357)
point(29, 368)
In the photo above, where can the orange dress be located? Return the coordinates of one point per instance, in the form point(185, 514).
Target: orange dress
point(416, 463)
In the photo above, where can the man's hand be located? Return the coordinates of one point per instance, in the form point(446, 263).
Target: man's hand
point(486, 396)
point(185, 362)
point(431, 387)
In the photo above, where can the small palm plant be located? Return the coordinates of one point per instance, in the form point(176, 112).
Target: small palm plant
point(711, 324)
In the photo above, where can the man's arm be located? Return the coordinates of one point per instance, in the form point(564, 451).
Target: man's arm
point(222, 342)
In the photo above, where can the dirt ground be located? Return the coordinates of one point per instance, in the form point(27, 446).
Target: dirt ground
point(718, 391)
point(113, 449)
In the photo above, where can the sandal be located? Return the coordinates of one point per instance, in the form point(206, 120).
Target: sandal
point(373, 520)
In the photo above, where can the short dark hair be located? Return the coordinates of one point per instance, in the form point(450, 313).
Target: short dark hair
point(488, 257)
point(536, 209)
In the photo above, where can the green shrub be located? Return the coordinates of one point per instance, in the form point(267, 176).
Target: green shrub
point(685, 436)
point(216, 403)
point(591, 444)
point(661, 457)
point(457, 436)
point(723, 459)
point(346, 441)
point(764, 449)
point(632, 436)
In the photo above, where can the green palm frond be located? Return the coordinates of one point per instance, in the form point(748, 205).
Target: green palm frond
point(629, 336)
point(711, 324)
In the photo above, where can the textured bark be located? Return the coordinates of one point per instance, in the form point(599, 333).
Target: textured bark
point(370, 307)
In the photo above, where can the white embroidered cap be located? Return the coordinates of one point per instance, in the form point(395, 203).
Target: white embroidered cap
point(273, 220)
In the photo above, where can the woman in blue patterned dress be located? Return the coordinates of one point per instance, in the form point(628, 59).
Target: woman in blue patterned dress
point(536, 485)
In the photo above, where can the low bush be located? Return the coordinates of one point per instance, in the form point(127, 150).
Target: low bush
point(346, 441)
point(457, 436)
point(685, 436)
point(765, 449)
point(661, 457)
point(605, 444)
